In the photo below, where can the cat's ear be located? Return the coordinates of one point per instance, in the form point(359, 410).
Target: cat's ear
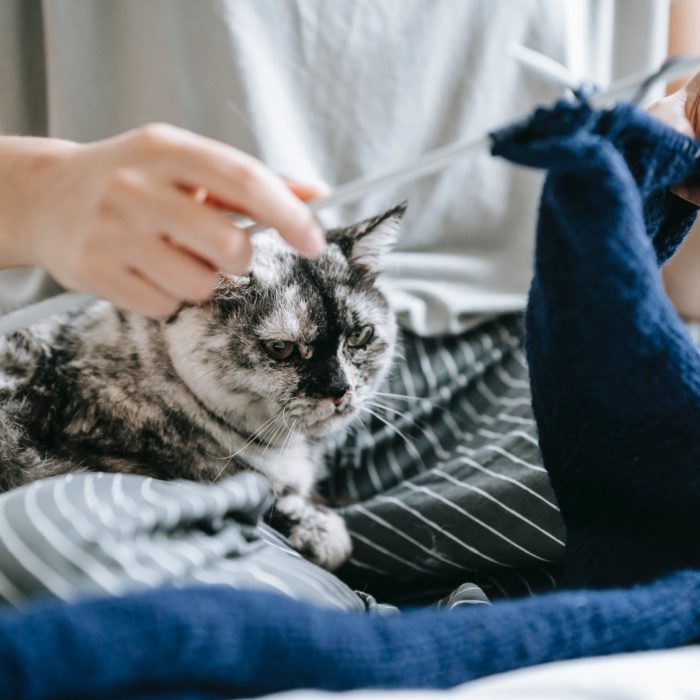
point(366, 244)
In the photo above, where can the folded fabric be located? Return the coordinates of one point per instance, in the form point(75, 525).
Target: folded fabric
point(619, 432)
point(96, 534)
point(220, 643)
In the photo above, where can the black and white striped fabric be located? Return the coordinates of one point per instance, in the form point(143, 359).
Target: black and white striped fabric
point(107, 534)
point(444, 483)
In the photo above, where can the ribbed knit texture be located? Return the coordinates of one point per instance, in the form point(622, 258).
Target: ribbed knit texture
point(615, 377)
point(616, 386)
point(217, 642)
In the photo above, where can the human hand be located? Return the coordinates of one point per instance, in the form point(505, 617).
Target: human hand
point(681, 110)
point(127, 218)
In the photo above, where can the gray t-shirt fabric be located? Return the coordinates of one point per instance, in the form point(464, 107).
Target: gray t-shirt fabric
point(333, 91)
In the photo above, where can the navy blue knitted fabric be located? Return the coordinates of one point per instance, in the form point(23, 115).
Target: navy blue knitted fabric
point(220, 643)
point(615, 377)
point(616, 390)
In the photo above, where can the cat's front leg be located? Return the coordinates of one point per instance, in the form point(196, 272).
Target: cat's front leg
point(313, 529)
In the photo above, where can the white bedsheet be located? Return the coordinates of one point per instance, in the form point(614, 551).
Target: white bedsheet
point(659, 675)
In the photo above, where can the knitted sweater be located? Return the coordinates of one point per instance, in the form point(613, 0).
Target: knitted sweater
point(616, 392)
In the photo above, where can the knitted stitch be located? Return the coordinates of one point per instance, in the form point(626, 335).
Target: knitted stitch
point(220, 643)
point(618, 422)
point(615, 377)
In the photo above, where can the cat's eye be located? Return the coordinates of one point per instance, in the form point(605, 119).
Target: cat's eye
point(279, 349)
point(359, 337)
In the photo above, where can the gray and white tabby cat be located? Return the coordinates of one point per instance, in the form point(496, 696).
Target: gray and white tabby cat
point(255, 379)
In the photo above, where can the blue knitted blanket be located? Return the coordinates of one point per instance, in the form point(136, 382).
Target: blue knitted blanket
point(616, 393)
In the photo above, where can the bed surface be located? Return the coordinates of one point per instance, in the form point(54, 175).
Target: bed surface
point(659, 675)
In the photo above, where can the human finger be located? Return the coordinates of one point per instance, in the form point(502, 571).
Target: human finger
point(690, 191)
point(676, 111)
point(128, 290)
point(671, 111)
point(200, 229)
point(175, 271)
point(233, 178)
point(306, 191)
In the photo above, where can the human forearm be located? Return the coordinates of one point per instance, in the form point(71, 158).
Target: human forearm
point(682, 275)
point(26, 164)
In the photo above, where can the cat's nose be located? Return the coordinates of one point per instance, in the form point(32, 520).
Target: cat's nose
point(337, 393)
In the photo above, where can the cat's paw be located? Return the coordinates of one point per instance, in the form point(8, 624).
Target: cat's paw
point(322, 536)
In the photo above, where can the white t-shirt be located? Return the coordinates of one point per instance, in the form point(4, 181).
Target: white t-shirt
point(332, 91)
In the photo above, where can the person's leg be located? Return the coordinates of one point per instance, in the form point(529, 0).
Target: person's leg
point(615, 376)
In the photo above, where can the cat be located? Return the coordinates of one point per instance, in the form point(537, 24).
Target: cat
point(254, 379)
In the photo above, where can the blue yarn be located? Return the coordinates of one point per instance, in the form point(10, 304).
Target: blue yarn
point(216, 642)
point(615, 377)
point(616, 393)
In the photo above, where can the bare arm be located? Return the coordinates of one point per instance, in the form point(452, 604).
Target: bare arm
point(682, 274)
point(134, 219)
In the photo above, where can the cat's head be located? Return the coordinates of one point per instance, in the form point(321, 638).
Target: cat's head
point(305, 340)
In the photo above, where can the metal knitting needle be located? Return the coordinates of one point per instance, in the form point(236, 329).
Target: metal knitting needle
point(440, 158)
point(633, 87)
point(437, 159)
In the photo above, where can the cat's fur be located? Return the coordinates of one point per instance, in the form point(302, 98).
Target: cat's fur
point(199, 396)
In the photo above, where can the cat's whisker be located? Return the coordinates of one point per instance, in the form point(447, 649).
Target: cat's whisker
point(258, 434)
point(275, 477)
point(395, 411)
point(405, 397)
point(404, 414)
point(284, 420)
point(409, 443)
point(272, 438)
point(431, 437)
point(386, 422)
